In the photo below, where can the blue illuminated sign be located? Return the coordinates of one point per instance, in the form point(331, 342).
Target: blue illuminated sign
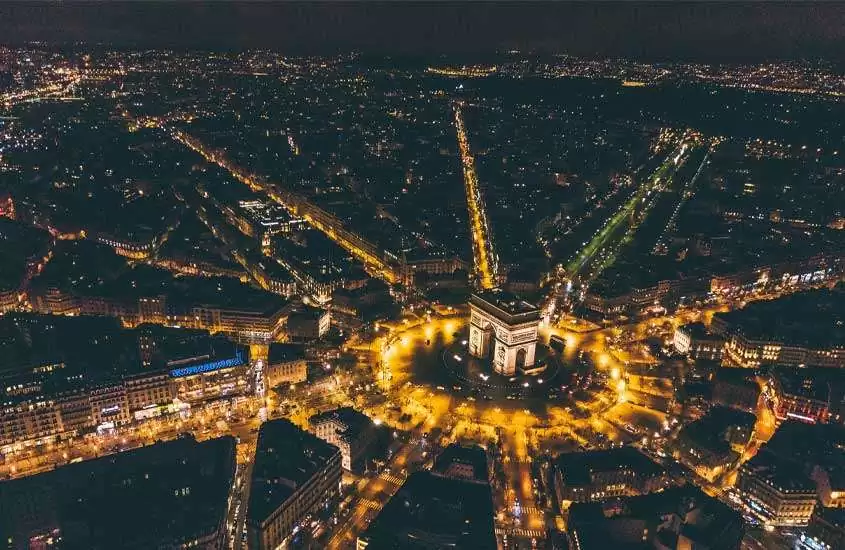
point(210, 366)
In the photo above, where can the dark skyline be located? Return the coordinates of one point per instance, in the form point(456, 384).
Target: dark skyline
point(652, 30)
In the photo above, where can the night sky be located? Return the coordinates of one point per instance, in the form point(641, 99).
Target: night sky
point(650, 30)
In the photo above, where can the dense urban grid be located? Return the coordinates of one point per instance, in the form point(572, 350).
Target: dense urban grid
point(256, 301)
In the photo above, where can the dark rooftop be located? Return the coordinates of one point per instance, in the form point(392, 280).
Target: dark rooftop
point(497, 301)
point(802, 383)
point(577, 468)
point(697, 330)
point(355, 422)
point(282, 353)
point(286, 457)
point(783, 474)
point(810, 444)
point(19, 245)
point(88, 350)
point(433, 511)
point(160, 496)
point(473, 456)
point(703, 520)
point(709, 431)
point(815, 319)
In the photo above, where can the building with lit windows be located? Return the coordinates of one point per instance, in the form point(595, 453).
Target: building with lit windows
point(65, 376)
point(803, 329)
point(713, 443)
point(696, 342)
point(737, 388)
point(262, 220)
point(347, 429)
point(678, 518)
point(204, 378)
point(167, 495)
point(147, 295)
point(295, 476)
point(830, 485)
point(798, 394)
point(137, 247)
point(598, 475)
point(450, 506)
point(826, 530)
point(285, 365)
point(306, 324)
point(9, 299)
point(776, 491)
point(504, 328)
point(430, 263)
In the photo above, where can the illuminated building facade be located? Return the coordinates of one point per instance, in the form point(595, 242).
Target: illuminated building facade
point(830, 486)
point(44, 400)
point(505, 327)
point(826, 530)
point(347, 429)
point(442, 264)
point(776, 491)
point(202, 379)
point(130, 248)
point(804, 329)
point(181, 486)
point(308, 324)
point(285, 365)
point(598, 475)
point(694, 341)
point(264, 219)
point(798, 395)
point(294, 475)
point(743, 351)
point(248, 324)
point(9, 299)
point(606, 301)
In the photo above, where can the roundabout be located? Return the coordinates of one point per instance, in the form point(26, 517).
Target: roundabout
point(478, 377)
point(427, 367)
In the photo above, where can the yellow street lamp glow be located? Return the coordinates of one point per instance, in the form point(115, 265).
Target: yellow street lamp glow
point(620, 386)
point(615, 373)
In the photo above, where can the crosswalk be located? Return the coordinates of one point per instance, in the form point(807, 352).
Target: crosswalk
point(532, 510)
point(370, 504)
point(392, 478)
point(521, 533)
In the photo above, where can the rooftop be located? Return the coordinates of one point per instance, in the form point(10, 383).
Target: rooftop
point(286, 457)
point(282, 353)
point(473, 456)
point(577, 468)
point(814, 319)
point(697, 330)
point(162, 495)
point(709, 431)
point(703, 519)
point(802, 383)
point(810, 443)
point(783, 474)
point(352, 421)
point(497, 302)
point(432, 511)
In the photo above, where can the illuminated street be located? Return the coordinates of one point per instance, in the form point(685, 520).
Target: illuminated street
point(484, 256)
point(373, 277)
